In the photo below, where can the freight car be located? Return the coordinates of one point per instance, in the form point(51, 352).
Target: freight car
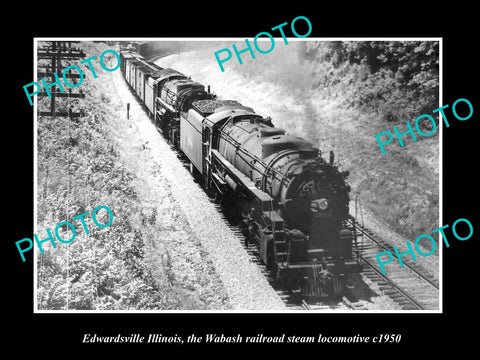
point(291, 202)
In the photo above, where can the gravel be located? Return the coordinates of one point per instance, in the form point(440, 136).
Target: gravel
point(246, 286)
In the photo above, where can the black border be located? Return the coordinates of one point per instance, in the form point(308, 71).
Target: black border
point(455, 25)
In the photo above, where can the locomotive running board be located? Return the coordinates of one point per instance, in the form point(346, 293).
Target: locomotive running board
point(263, 198)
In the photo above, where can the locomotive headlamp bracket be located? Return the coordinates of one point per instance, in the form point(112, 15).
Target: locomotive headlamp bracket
point(323, 204)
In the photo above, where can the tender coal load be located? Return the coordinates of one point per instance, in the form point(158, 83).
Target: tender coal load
point(209, 106)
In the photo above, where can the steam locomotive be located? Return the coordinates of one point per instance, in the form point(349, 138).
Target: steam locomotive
point(290, 201)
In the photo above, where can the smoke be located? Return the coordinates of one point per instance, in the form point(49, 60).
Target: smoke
point(299, 103)
point(187, 45)
point(286, 65)
point(157, 49)
point(282, 84)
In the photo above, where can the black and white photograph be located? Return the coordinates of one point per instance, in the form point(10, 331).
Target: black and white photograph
point(224, 180)
point(260, 187)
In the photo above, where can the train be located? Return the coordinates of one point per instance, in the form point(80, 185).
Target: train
point(289, 201)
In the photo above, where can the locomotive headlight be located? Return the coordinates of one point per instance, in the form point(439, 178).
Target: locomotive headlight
point(320, 204)
point(323, 204)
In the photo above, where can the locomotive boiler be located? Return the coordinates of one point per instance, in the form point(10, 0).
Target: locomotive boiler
point(298, 221)
point(290, 201)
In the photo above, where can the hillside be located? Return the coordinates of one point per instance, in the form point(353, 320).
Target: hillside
point(339, 95)
point(149, 258)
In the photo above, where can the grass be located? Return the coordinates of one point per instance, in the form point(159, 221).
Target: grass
point(120, 267)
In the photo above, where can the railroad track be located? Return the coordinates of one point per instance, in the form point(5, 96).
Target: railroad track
point(408, 299)
point(348, 302)
point(411, 286)
point(291, 300)
point(294, 301)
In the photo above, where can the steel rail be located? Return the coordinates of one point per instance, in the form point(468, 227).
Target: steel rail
point(377, 242)
point(392, 283)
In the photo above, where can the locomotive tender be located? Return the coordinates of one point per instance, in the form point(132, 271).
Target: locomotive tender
point(291, 203)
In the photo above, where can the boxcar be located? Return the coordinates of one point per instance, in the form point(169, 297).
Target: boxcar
point(144, 72)
point(151, 92)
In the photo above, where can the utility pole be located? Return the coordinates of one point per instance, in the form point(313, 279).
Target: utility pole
point(54, 54)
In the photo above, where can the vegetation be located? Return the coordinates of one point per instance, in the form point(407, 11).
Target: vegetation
point(123, 266)
point(387, 84)
point(397, 79)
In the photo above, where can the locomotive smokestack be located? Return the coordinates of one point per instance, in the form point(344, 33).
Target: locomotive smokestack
point(332, 157)
point(208, 89)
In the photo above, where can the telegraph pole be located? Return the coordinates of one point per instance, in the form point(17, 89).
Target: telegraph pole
point(55, 53)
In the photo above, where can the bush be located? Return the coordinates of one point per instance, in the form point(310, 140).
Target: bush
point(397, 79)
point(79, 169)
